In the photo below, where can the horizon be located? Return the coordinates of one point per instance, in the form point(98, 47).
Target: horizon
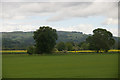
point(56, 30)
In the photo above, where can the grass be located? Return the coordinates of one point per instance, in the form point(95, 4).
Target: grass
point(0, 66)
point(60, 66)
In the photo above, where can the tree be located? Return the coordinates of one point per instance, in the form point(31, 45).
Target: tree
point(8, 43)
point(84, 45)
point(69, 46)
point(31, 50)
point(118, 45)
point(61, 46)
point(75, 47)
point(45, 39)
point(100, 40)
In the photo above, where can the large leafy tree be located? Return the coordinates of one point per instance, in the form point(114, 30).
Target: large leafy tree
point(45, 39)
point(100, 40)
point(118, 43)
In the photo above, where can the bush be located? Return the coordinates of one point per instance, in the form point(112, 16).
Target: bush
point(31, 50)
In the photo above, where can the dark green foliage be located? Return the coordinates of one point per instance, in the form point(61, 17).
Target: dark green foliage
point(76, 47)
point(69, 46)
point(25, 39)
point(73, 43)
point(60, 46)
point(10, 44)
point(100, 40)
point(118, 43)
point(45, 39)
point(84, 45)
point(17, 40)
point(31, 50)
point(71, 36)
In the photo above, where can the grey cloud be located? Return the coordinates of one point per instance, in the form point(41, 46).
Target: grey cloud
point(94, 9)
point(59, 0)
point(30, 9)
point(59, 11)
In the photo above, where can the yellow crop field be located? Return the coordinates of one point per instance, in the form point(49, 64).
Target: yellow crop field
point(94, 51)
point(13, 51)
point(24, 51)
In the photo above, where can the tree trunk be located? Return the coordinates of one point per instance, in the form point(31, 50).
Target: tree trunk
point(106, 51)
point(97, 51)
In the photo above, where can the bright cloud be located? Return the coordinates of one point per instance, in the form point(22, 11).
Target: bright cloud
point(110, 21)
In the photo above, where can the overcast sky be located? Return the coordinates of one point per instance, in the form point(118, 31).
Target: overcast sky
point(24, 15)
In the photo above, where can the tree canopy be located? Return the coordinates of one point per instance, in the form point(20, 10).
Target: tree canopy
point(69, 46)
point(100, 40)
point(61, 46)
point(83, 45)
point(45, 39)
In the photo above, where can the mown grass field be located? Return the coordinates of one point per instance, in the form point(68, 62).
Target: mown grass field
point(88, 65)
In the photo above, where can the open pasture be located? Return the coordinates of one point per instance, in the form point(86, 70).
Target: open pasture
point(60, 66)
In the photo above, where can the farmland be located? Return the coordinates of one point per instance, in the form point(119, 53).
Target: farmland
point(25, 51)
point(89, 65)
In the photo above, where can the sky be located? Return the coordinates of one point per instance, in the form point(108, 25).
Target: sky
point(62, 15)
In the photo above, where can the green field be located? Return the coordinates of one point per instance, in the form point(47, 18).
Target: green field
point(60, 66)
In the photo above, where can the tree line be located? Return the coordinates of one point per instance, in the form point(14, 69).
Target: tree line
point(22, 40)
point(45, 41)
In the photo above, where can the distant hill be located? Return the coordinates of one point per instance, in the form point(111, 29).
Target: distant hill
point(21, 40)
